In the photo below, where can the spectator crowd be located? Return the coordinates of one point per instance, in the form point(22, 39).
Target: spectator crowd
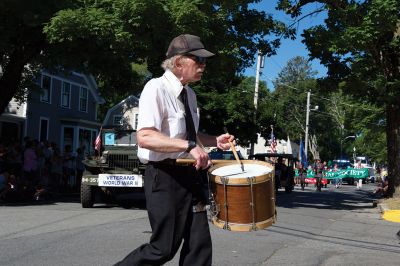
point(36, 170)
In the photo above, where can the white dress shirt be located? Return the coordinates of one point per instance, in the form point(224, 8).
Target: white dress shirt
point(160, 107)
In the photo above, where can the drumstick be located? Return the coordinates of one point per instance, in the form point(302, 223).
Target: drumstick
point(192, 161)
point(234, 151)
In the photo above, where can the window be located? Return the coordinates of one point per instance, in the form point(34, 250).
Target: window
point(44, 129)
point(83, 99)
point(66, 95)
point(45, 95)
point(136, 120)
point(117, 120)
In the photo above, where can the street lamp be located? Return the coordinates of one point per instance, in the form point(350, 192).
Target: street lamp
point(341, 144)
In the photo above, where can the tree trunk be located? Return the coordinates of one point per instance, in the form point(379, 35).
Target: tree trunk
point(313, 145)
point(393, 147)
point(11, 79)
point(13, 71)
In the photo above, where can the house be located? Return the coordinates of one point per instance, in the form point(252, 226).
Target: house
point(12, 121)
point(63, 111)
point(124, 114)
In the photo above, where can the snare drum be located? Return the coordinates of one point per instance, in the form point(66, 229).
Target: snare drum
point(245, 201)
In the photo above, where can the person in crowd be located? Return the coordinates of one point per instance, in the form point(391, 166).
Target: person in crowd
point(280, 171)
point(382, 188)
point(3, 183)
point(8, 187)
point(2, 157)
point(80, 167)
point(68, 168)
point(14, 158)
point(359, 181)
point(167, 126)
point(302, 175)
point(318, 168)
point(296, 174)
point(338, 180)
point(56, 172)
point(30, 167)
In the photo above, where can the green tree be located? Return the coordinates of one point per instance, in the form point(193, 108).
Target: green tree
point(360, 45)
point(290, 100)
point(234, 109)
point(107, 37)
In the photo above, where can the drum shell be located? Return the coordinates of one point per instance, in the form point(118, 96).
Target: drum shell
point(249, 202)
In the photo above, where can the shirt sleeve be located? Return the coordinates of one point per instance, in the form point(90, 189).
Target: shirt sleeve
point(150, 106)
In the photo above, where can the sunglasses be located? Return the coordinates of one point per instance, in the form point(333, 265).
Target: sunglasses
point(198, 59)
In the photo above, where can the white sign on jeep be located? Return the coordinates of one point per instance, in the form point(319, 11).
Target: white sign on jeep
point(120, 180)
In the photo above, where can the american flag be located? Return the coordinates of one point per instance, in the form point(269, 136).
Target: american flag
point(97, 142)
point(273, 142)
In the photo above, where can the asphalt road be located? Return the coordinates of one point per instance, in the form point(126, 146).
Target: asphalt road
point(332, 227)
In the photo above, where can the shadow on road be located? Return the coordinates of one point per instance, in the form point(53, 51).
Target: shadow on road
point(340, 199)
point(127, 201)
point(371, 245)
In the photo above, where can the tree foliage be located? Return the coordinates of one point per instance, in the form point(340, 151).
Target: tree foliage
point(360, 45)
point(107, 38)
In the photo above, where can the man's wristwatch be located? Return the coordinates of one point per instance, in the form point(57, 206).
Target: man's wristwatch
point(191, 145)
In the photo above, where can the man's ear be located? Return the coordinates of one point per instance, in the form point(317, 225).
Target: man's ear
point(179, 62)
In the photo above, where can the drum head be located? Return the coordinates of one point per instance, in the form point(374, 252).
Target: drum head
point(231, 172)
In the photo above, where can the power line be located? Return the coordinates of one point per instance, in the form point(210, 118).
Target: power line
point(319, 97)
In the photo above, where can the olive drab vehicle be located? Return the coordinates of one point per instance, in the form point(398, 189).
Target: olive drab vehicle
point(284, 176)
point(115, 170)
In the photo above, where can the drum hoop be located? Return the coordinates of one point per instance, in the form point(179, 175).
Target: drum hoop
point(244, 227)
point(241, 181)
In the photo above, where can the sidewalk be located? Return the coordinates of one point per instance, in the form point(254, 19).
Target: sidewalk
point(389, 214)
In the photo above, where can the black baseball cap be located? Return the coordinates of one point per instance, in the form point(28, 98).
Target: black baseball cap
point(187, 44)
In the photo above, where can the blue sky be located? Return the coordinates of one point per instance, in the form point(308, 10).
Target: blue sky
point(289, 48)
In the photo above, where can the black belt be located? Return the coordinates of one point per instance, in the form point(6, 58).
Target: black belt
point(169, 162)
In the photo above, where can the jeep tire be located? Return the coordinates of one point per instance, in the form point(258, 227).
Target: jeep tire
point(87, 196)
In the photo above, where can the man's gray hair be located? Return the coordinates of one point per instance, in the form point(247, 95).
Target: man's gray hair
point(169, 63)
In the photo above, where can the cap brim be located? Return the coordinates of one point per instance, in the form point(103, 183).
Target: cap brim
point(201, 53)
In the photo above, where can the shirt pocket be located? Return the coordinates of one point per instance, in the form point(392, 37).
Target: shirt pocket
point(177, 124)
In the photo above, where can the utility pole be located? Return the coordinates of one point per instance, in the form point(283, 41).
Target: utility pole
point(260, 64)
point(307, 124)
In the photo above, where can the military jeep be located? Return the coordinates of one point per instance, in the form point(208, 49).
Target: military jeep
point(115, 170)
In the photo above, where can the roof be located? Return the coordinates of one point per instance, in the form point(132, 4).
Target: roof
point(131, 98)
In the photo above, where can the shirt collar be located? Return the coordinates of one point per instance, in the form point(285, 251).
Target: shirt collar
point(175, 84)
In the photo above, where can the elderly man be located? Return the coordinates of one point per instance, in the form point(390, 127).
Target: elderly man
point(167, 130)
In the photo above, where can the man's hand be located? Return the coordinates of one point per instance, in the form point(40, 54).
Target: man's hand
point(223, 141)
point(201, 158)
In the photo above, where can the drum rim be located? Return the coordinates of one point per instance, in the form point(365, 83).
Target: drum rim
point(242, 180)
point(238, 227)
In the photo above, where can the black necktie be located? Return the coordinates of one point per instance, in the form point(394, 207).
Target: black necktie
point(190, 130)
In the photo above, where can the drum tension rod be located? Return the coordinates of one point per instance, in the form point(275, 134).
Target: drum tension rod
point(225, 181)
point(251, 180)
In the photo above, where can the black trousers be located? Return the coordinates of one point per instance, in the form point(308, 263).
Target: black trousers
point(171, 191)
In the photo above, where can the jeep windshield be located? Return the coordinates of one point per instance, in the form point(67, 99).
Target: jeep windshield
point(119, 138)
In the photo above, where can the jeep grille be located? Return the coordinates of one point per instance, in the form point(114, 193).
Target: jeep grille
point(124, 161)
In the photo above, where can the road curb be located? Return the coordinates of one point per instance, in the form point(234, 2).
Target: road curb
point(383, 207)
